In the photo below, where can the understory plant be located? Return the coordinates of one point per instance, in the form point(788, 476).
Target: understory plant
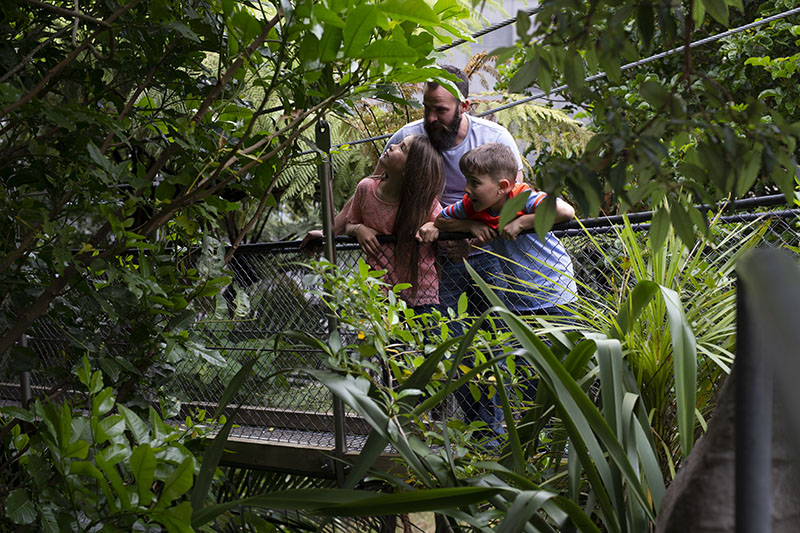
point(701, 278)
point(91, 464)
point(564, 460)
point(622, 391)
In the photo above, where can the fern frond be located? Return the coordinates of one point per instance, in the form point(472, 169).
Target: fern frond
point(539, 128)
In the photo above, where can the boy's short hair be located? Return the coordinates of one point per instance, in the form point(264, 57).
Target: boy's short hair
point(491, 159)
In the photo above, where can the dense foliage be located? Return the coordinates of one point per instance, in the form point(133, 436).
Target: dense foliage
point(136, 138)
point(694, 126)
point(130, 135)
point(129, 131)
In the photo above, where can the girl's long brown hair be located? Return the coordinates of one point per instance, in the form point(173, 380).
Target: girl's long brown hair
point(424, 182)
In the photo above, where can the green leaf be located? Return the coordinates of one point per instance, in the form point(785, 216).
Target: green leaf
point(409, 501)
point(545, 216)
point(639, 298)
point(698, 12)
point(19, 507)
point(107, 459)
point(524, 505)
point(412, 10)
point(247, 25)
point(96, 383)
point(784, 178)
point(739, 4)
point(329, 46)
point(645, 20)
point(523, 25)
point(358, 29)
point(85, 468)
point(78, 450)
point(610, 63)
point(389, 51)
point(184, 30)
point(511, 210)
point(110, 428)
point(503, 54)
point(98, 157)
point(659, 228)
point(682, 224)
point(177, 518)
point(463, 302)
point(328, 16)
point(574, 72)
point(177, 483)
point(103, 402)
point(525, 76)
point(143, 466)
point(345, 502)
point(654, 93)
point(685, 367)
point(137, 426)
point(718, 9)
point(18, 413)
point(227, 7)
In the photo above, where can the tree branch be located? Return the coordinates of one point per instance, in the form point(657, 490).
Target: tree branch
point(67, 60)
point(69, 13)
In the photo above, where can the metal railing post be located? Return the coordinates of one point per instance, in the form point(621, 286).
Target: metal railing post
point(753, 440)
point(26, 394)
point(323, 140)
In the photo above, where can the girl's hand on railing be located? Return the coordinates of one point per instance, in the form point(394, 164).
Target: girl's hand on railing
point(367, 239)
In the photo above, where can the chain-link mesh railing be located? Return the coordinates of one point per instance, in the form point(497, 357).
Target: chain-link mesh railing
point(281, 403)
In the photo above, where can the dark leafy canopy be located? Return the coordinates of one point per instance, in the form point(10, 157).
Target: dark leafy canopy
point(695, 126)
point(129, 131)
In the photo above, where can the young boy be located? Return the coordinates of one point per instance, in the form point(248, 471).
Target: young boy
point(538, 274)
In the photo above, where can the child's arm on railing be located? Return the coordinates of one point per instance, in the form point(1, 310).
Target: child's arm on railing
point(481, 231)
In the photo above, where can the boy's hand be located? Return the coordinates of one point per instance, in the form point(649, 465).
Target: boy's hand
point(512, 230)
point(482, 232)
point(427, 233)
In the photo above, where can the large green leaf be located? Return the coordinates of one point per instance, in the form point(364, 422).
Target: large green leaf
point(416, 11)
point(177, 483)
point(143, 466)
point(358, 29)
point(107, 460)
point(342, 502)
point(685, 367)
point(137, 426)
point(20, 509)
point(410, 502)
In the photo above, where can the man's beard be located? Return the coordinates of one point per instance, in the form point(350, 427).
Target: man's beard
point(443, 136)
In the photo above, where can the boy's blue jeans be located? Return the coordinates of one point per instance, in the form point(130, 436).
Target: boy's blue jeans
point(456, 280)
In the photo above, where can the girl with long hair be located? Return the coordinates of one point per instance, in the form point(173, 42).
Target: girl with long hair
point(401, 203)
